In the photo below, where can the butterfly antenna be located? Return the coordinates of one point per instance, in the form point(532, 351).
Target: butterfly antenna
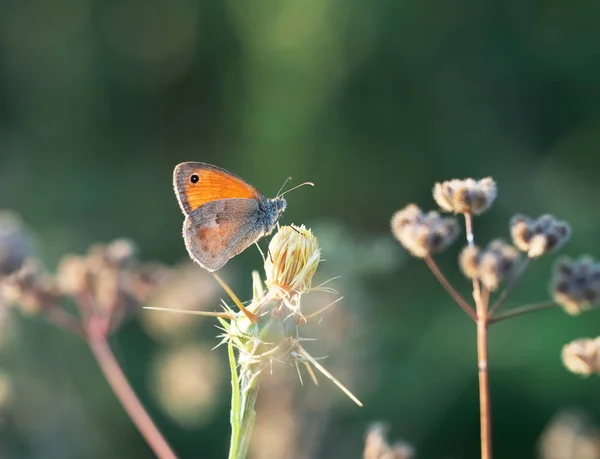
point(283, 186)
point(297, 186)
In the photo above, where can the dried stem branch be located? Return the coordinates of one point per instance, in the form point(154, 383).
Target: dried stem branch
point(525, 309)
point(449, 288)
point(120, 386)
point(509, 287)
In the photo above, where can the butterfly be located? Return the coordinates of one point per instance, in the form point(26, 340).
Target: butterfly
point(224, 214)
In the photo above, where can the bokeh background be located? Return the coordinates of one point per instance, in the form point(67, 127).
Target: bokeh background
point(373, 102)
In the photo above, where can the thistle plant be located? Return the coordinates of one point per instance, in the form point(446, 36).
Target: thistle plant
point(269, 328)
point(575, 288)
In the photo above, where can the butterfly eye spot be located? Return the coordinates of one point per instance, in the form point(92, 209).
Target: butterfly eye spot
point(194, 178)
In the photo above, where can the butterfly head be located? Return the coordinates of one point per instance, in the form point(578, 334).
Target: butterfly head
point(272, 211)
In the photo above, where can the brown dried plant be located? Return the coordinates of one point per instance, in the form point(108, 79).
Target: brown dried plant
point(576, 285)
point(107, 285)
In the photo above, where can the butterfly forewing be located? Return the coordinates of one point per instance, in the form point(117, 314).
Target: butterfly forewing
point(198, 183)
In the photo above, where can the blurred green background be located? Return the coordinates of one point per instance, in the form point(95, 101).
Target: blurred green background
point(373, 102)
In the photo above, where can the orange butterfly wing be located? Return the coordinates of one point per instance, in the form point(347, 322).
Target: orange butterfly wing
point(197, 183)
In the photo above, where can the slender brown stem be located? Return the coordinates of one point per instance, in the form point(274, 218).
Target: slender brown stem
point(525, 309)
point(509, 286)
point(482, 297)
point(65, 321)
point(484, 395)
point(471, 243)
point(119, 384)
point(451, 291)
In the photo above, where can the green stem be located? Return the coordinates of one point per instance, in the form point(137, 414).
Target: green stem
point(244, 390)
point(235, 404)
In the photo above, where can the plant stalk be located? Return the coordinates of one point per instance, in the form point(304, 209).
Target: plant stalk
point(120, 386)
point(484, 395)
point(481, 297)
point(521, 310)
point(244, 390)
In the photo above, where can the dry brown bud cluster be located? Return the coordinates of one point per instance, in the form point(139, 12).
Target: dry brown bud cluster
point(537, 237)
point(30, 288)
point(570, 435)
point(492, 265)
point(576, 285)
point(466, 196)
point(582, 356)
point(14, 244)
point(107, 283)
point(377, 446)
point(423, 234)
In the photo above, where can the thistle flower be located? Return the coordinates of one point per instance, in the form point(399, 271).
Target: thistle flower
point(466, 196)
point(492, 265)
point(423, 234)
point(582, 356)
point(537, 237)
point(576, 284)
point(292, 260)
point(377, 446)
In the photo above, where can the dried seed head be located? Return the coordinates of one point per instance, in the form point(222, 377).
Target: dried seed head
point(423, 234)
point(570, 435)
point(14, 244)
point(292, 260)
point(465, 196)
point(469, 260)
point(30, 289)
point(537, 237)
point(377, 446)
point(576, 284)
point(582, 356)
point(492, 265)
point(108, 281)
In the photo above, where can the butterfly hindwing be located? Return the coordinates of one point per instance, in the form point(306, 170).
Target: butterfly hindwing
point(221, 229)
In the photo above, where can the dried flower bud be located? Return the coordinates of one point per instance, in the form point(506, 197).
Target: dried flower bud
point(576, 284)
point(423, 234)
point(465, 196)
point(107, 281)
point(28, 287)
point(14, 244)
point(72, 275)
point(492, 265)
point(570, 435)
point(537, 237)
point(377, 447)
point(121, 252)
point(469, 260)
point(582, 356)
point(292, 261)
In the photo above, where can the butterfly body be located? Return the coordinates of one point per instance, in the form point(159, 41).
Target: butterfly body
point(224, 214)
